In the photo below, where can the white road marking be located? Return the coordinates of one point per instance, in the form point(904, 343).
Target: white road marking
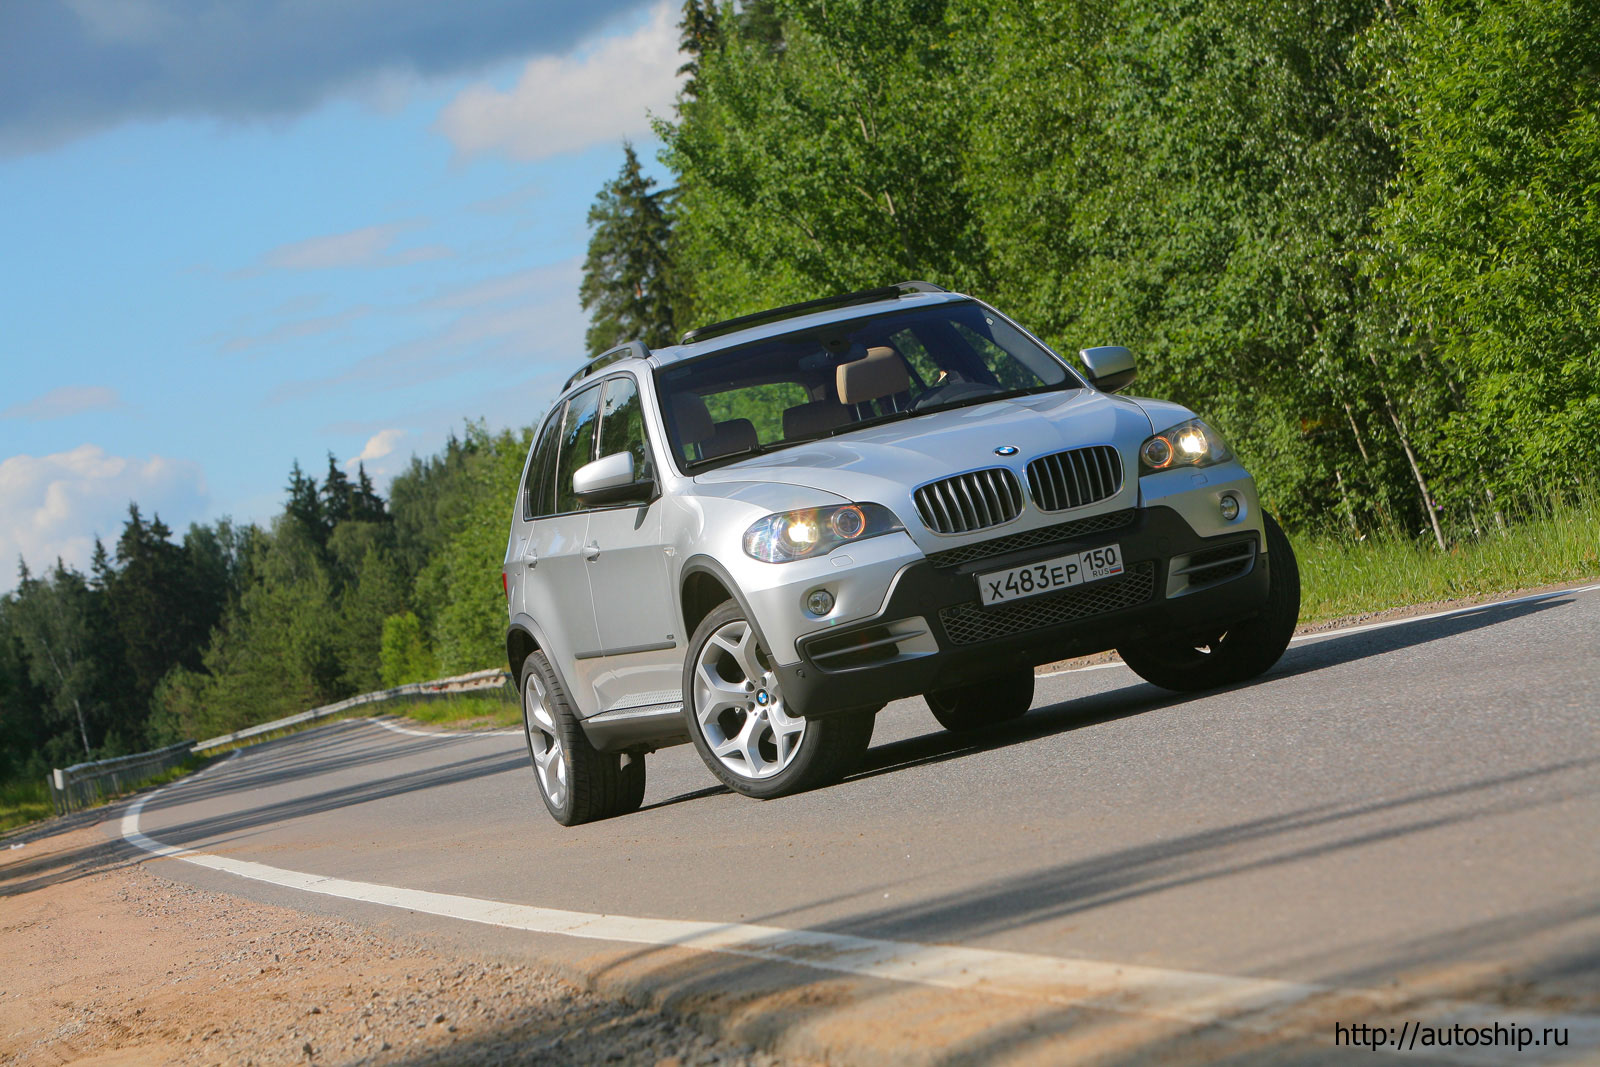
point(1252, 1005)
point(1346, 631)
point(448, 735)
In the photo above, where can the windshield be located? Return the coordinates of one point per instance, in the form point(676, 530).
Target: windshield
point(835, 378)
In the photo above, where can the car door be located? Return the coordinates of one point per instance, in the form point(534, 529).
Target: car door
point(556, 583)
point(629, 573)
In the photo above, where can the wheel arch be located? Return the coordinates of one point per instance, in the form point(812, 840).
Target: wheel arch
point(703, 584)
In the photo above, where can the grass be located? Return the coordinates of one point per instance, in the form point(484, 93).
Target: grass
point(497, 707)
point(1344, 577)
point(23, 801)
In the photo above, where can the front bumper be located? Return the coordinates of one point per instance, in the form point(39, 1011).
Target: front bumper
point(933, 634)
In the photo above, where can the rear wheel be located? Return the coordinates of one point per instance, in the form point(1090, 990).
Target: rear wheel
point(990, 702)
point(743, 728)
point(577, 783)
point(1242, 651)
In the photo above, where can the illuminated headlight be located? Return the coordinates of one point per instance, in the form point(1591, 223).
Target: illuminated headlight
point(792, 535)
point(1188, 444)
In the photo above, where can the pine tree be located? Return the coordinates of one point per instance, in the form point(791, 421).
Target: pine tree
point(700, 33)
point(760, 23)
point(365, 503)
point(337, 495)
point(305, 505)
point(626, 276)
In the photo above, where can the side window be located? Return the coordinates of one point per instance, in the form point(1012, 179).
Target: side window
point(539, 484)
point(622, 425)
point(576, 444)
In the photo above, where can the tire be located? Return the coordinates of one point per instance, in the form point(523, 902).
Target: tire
point(1241, 652)
point(990, 702)
point(740, 726)
point(577, 783)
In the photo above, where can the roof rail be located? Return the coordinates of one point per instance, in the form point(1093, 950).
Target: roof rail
point(631, 350)
point(789, 311)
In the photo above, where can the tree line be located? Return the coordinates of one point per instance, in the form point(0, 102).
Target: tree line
point(343, 592)
point(1360, 235)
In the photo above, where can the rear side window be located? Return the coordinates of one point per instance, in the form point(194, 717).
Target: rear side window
point(622, 425)
point(539, 483)
point(576, 444)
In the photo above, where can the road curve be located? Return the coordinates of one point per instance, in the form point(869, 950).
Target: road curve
point(1395, 826)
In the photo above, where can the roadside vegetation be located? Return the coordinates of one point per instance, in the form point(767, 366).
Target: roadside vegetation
point(1342, 578)
point(1360, 238)
point(23, 801)
point(497, 708)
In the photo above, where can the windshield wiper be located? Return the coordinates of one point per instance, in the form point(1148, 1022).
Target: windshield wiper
point(727, 457)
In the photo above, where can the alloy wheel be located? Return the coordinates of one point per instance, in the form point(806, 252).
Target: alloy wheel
point(739, 707)
point(544, 743)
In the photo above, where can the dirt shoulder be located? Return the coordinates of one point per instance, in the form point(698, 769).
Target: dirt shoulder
point(106, 962)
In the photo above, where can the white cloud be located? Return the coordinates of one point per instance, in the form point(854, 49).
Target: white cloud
point(296, 329)
point(378, 445)
point(67, 400)
point(370, 246)
point(561, 104)
point(54, 505)
point(512, 321)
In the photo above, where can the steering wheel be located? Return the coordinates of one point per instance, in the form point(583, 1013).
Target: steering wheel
point(952, 392)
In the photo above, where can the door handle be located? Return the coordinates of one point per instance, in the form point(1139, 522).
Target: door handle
point(591, 551)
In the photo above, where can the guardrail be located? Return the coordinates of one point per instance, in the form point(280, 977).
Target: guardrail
point(461, 683)
point(83, 784)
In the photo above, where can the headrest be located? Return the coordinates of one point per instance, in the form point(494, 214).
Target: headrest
point(735, 435)
point(694, 421)
point(881, 373)
point(814, 419)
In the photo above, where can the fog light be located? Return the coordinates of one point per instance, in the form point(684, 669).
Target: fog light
point(1230, 507)
point(819, 601)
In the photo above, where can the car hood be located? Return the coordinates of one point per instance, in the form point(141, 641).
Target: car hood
point(883, 464)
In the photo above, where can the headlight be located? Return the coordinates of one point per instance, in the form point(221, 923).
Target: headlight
point(1188, 444)
point(792, 535)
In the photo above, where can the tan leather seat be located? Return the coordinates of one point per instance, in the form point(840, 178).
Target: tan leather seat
point(735, 435)
point(813, 419)
point(882, 373)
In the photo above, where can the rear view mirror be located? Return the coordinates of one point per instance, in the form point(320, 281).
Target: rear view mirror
point(1110, 367)
point(609, 480)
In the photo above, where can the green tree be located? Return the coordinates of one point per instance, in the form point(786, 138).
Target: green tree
point(832, 164)
point(627, 274)
point(54, 621)
point(405, 655)
point(1490, 243)
point(699, 33)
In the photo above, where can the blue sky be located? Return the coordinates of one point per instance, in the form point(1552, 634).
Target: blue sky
point(213, 268)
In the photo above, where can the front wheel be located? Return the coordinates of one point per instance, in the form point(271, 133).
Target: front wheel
point(990, 702)
point(743, 728)
point(1242, 651)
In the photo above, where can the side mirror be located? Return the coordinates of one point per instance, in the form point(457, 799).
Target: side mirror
point(1110, 367)
point(609, 480)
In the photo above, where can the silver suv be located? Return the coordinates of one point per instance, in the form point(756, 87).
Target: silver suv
point(755, 539)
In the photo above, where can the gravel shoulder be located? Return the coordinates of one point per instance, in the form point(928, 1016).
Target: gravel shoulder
point(106, 962)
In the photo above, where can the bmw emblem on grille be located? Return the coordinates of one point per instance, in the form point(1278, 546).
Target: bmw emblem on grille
point(1006, 450)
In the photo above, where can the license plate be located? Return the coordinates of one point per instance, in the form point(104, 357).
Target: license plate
point(1047, 576)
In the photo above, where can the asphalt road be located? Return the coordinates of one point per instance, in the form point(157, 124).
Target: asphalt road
point(1413, 809)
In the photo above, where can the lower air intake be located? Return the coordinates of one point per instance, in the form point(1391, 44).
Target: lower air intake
point(967, 624)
